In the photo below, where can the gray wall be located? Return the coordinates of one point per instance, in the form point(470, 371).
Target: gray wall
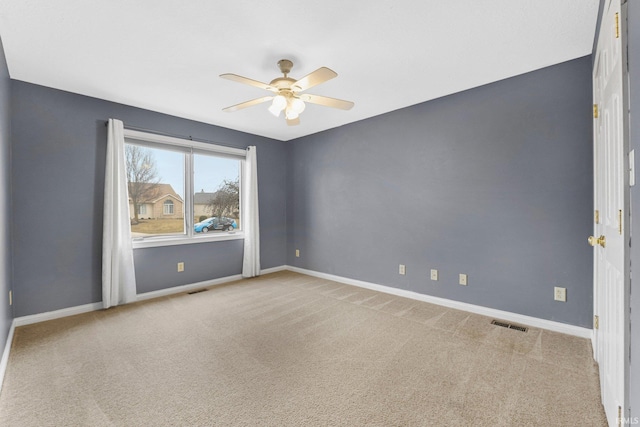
point(634, 143)
point(59, 146)
point(494, 182)
point(6, 312)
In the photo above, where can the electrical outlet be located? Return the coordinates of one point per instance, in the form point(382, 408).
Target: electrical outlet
point(297, 253)
point(560, 294)
point(180, 267)
point(434, 274)
point(463, 279)
point(402, 270)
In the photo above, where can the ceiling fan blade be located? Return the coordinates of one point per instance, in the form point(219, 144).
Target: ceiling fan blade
point(294, 122)
point(247, 81)
point(320, 75)
point(247, 104)
point(326, 101)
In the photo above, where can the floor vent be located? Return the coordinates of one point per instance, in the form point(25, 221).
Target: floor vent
point(509, 326)
point(197, 291)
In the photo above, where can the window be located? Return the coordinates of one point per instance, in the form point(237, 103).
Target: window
point(182, 191)
point(155, 176)
point(168, 207)
point(218, 181)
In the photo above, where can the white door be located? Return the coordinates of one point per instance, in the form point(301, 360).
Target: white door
point(609, 202)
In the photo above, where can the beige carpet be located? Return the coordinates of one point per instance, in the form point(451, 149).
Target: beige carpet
point(292, 350)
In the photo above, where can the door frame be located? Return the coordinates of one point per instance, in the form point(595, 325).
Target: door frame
point(626, 194)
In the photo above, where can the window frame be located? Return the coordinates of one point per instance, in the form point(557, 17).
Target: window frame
point(167, 207)
point(189, 148)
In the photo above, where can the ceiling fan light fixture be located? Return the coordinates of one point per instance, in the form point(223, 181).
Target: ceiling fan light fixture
point(279, 103)
point(290, 114)
point(274, 110)
point(297, 105)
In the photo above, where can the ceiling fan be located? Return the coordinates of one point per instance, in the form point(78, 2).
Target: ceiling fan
point(288, 96)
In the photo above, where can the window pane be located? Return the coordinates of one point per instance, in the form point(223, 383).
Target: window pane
point(156, 191)
point(216, 202)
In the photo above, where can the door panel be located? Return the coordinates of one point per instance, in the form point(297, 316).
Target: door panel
point(609, 200)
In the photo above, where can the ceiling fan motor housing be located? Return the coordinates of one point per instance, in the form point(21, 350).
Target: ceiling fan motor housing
point(282, 82)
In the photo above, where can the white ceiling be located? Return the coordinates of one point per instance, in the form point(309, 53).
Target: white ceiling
point(166, 55)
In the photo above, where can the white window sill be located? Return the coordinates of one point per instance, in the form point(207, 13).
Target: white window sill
point(154, 242)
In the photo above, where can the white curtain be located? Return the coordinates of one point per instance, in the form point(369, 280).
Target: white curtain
point(118, 274)
point(250, 217)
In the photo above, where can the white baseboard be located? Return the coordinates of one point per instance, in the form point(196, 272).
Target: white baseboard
point(56, 314)
point(199, 285)
point(187, 288)
point(5, 354)
point(273, 269)
point(477, 309)
point(65, 312)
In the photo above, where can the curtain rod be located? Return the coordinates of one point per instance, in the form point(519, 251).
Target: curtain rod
point(172, 135)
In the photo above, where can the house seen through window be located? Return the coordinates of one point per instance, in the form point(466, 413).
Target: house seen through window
point(177, 190)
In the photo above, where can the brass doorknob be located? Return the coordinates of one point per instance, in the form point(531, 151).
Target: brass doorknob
point(602, 241)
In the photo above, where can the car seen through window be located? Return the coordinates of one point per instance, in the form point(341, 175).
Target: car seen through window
point(216, 224)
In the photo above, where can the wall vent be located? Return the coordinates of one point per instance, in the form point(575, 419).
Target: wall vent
point(509, 326)
point(197, 291)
